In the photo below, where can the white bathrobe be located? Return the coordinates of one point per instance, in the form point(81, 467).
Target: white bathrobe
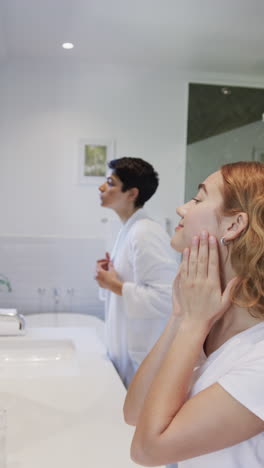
point(146, 263)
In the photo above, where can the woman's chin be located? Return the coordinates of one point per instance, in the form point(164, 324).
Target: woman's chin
point(176, 245)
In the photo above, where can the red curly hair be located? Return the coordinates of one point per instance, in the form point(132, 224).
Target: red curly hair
point(244, 191)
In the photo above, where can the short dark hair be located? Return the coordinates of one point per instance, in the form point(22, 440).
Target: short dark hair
point(135, 172)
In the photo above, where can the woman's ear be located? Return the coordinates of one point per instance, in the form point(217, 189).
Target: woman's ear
point(235, 226)
point(133, 193)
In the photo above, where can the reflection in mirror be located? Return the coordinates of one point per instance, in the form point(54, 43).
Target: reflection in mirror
point(225, 124)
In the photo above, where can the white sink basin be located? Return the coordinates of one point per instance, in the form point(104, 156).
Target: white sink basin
point(24, 350)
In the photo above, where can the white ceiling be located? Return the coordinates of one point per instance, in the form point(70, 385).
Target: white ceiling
point(206, 35)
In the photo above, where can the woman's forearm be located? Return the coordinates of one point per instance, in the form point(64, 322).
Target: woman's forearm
point(169, 389)
point(197, 289)
point(144, 376)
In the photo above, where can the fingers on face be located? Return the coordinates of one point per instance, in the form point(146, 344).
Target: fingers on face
point(202, 259)
point(202, 265)
point(184, 270)
point(193, 258)
point(213, 263)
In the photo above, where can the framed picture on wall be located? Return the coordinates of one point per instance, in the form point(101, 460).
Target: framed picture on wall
point(93, 155)
point(258, 154)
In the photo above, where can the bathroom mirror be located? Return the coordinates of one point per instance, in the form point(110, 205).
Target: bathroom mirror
point(225, 124)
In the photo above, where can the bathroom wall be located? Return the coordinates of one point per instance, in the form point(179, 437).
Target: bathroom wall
point(46, 107)
point(206, 156)
point(51, 274)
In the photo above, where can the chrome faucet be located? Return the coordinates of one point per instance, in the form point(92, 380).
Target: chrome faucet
point(13, 314)
point(5, 282)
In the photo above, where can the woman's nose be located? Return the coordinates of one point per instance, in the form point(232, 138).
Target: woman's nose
point(102, 187)
point(181, 210)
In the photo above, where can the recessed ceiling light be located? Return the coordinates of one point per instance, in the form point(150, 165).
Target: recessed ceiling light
point(67, 45)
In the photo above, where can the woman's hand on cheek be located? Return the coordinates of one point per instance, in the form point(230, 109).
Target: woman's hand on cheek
point(198, 287)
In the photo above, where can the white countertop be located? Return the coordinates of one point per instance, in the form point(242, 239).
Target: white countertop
point(66, 414)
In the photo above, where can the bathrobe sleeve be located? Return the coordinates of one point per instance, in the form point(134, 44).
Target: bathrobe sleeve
point(154, 267)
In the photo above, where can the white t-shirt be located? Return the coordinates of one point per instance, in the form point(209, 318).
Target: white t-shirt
point(238, 366)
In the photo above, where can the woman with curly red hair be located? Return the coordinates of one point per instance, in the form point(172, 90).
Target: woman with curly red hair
point(198, 398)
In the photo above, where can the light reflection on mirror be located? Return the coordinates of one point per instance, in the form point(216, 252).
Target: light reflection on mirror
point(225, 124)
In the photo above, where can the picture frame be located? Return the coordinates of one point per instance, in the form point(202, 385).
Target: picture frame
point(93, 156)
point(258, 154)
